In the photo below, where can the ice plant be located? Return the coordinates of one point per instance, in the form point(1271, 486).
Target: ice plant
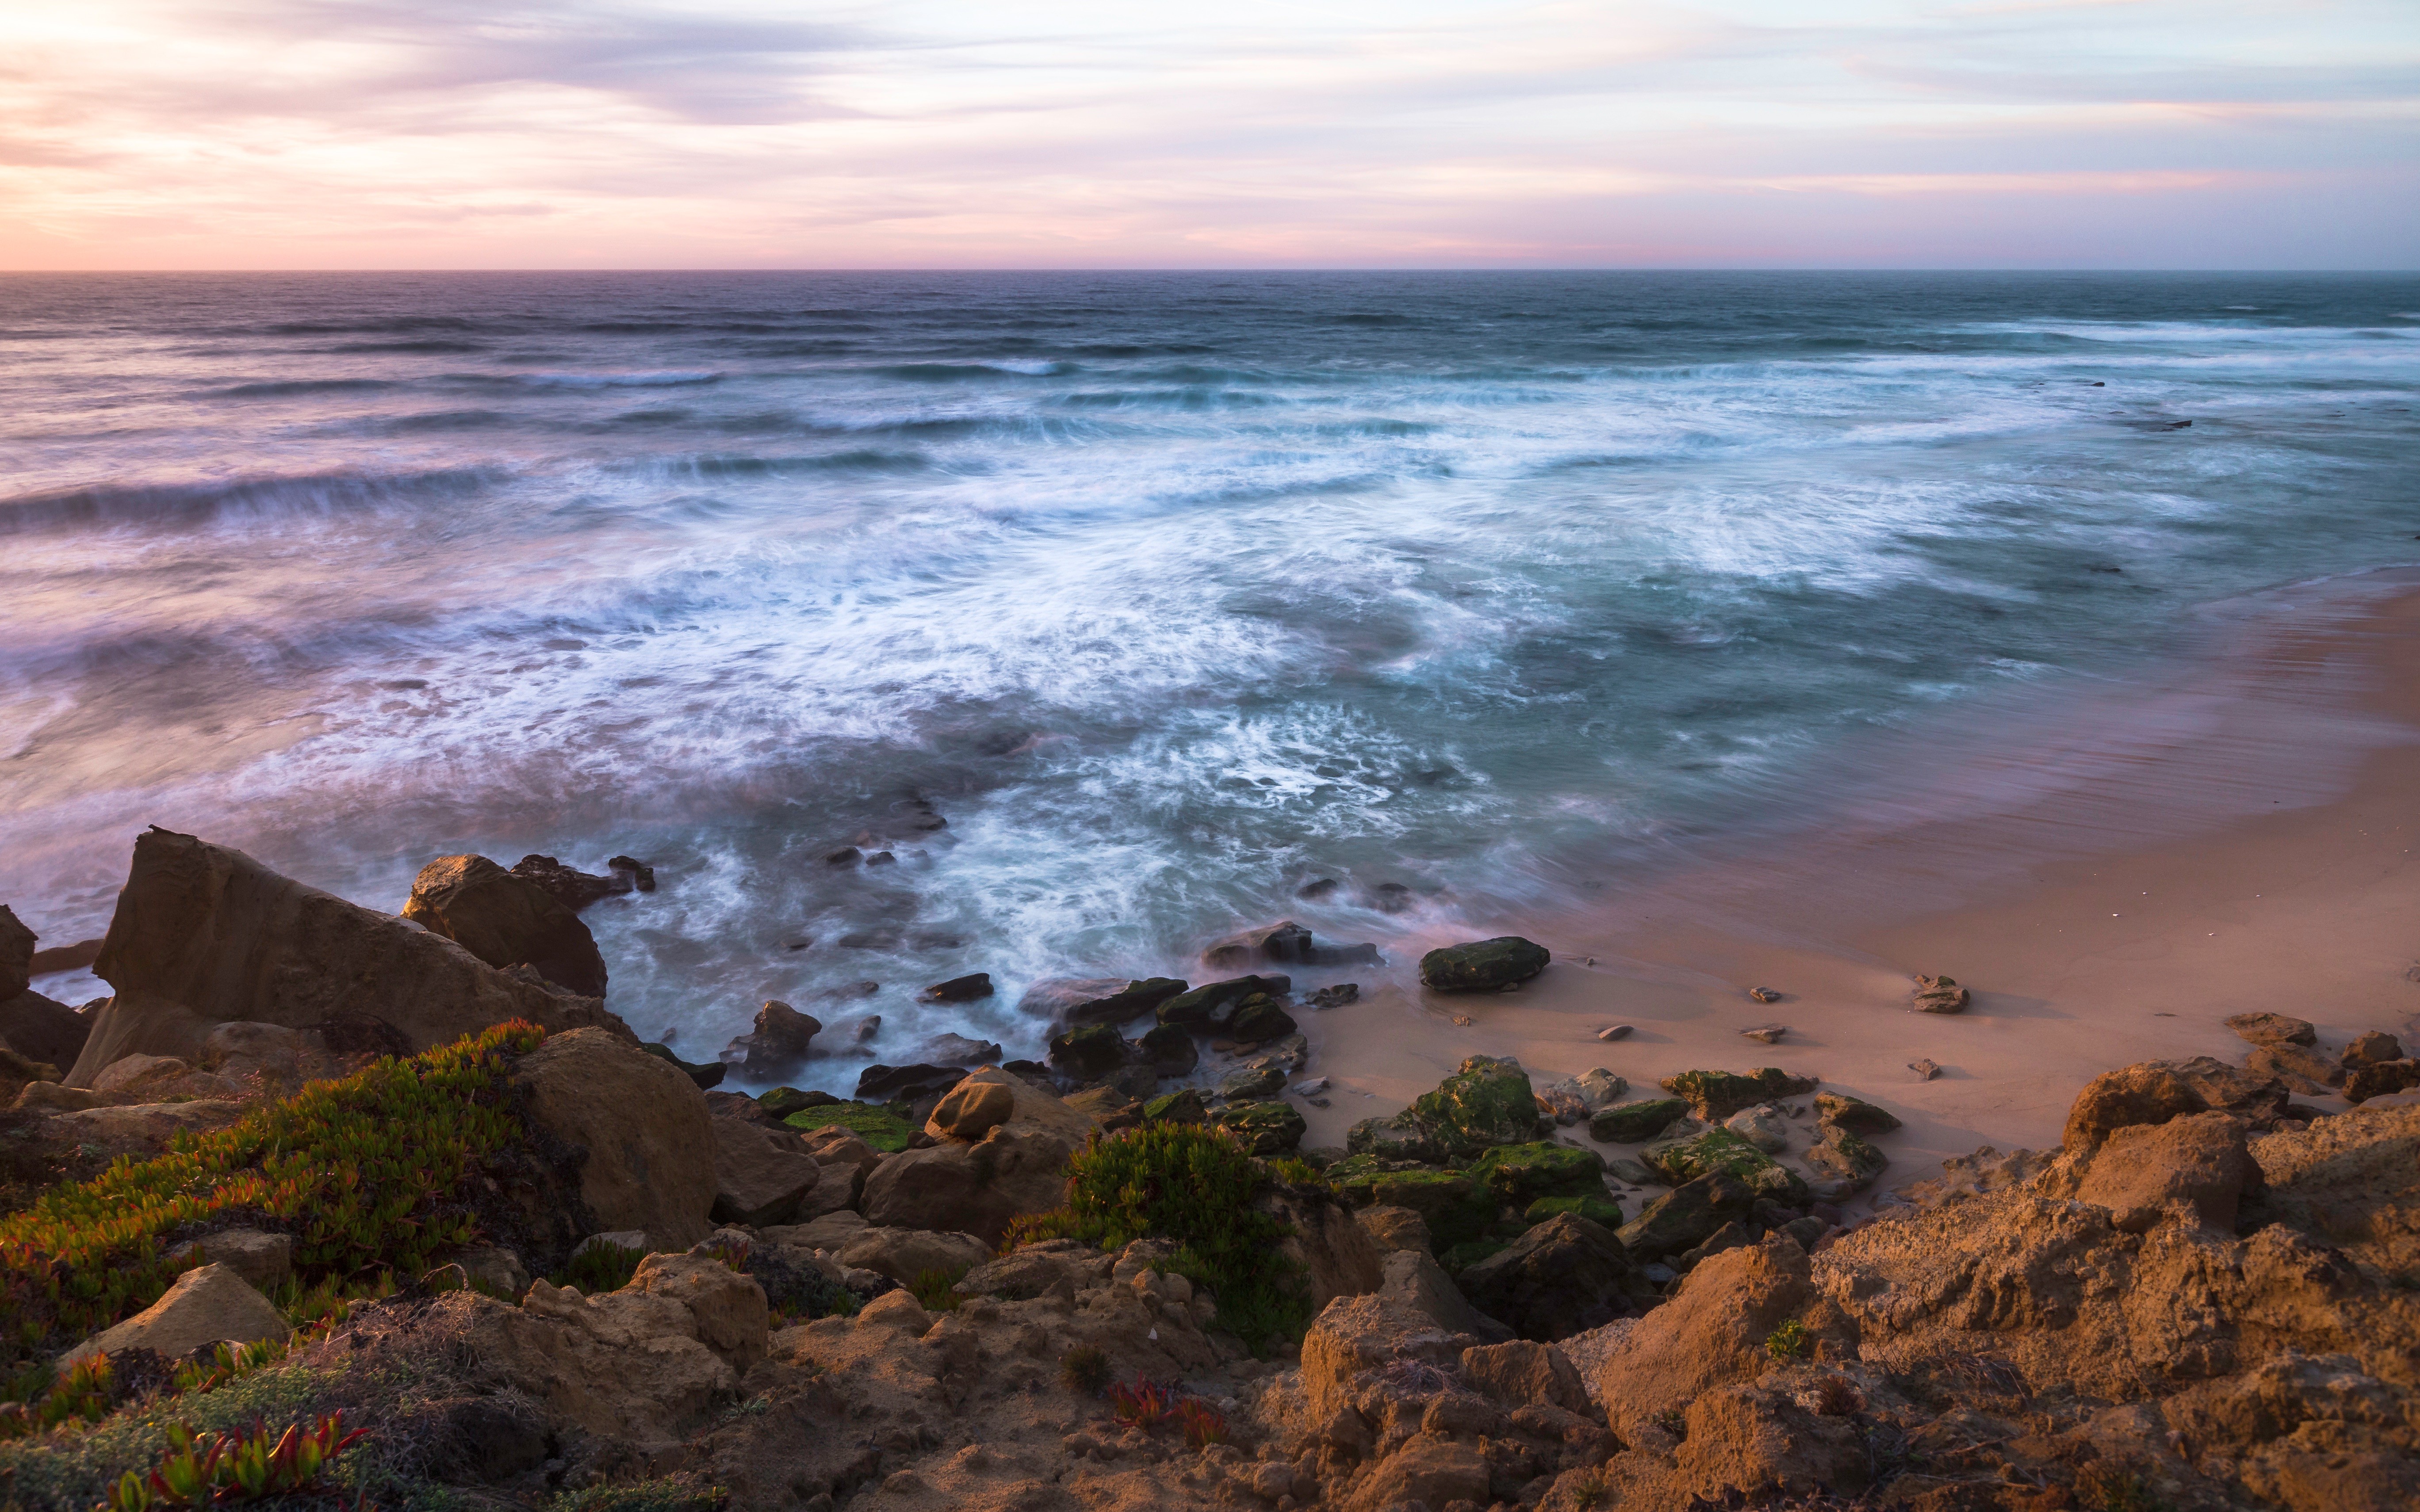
point(227, 1469)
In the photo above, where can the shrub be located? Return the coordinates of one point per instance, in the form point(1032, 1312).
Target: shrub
point(1201, 1424)
point(1193, 1184)
point(1790, 1341)
point(365, 1172)
point(222, 1469)
point(1145, 1403)
point(600, 1268)
point(932, 1288)
point(1084, 1368)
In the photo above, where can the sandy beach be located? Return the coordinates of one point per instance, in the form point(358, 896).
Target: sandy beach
point(2112, 875)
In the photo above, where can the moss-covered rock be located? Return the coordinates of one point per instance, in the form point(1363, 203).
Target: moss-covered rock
point(1854, 1114)
point(1397, 1137)
point(1482, 965)
point(1184, 1105)
point(783, 1101)
point(1599, 1208)
point(879, 1127)
point(1849, 1163)
point(1720, 1149)
point(1456, 1259)
point(1263, 1128)
point(1208, 1008)
point(1454, 1206)
point(1091, 1051)
point(1521, 1174)
point(1260, 1018)
point(1485, 1104)
point(1635, 1123)
point(1716, 1095)
point(1170, 1050)
point(1688, 1216)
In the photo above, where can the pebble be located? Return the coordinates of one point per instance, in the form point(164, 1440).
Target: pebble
point(1767, 1033)
point(1619, 1031)
point(1925, 1070)
point(1764, 994)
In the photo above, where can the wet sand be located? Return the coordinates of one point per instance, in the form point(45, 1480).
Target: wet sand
point(2112, 873)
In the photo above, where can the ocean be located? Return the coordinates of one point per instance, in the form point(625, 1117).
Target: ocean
point(1117, 609)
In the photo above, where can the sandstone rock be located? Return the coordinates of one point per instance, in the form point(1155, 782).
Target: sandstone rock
point(1019, 1167)
point(1710, 1333)
point(727, 1310)
point(1391, 1227)
point(1854, 1114)
point(1765, 1033)
point(1411, 1278)
point(133, 1073)
point(2371, 1048)
point(1482, 965)
point(1428, 1471)
point(1283, 944)
point(261, 1260)
point(1716, 1095)
point(2154, 1091)
point(1686, 1216)
point(1767, 1445)
point(965, 989)
point(137, 1024)
point(2306, 1070)
point(1031, 1271)
point(38, 1096)
point(1763, 1126)
point(2200, 1159)
point(627, 1367)
point(506, 920)
point(899, 1310)
point(1563, 1276)
point(2274, 1028)
point(760, 1175)
point(1353, 1336)
point(205, 1305)
point(43, 1030)
point(16, 954)
point(832, 1232)
point(2381, 1078)
point(838, 1145)
point(142, 1129)
point(1939, 994)
point(971, 1110)
point(1632, 1124)
point(904, 1254)
point(1525, 1373)
point(1847, 1162)
point(214, 931)
point(649, 1140)
point(705, 1076)
point(1332, 1252)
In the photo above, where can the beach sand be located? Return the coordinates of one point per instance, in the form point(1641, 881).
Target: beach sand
point(2112, 874)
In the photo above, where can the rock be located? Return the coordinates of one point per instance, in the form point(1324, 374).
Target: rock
point(574, 889)
point(883, 1084)
point(1526, 1373)
point(133, 1073)
point(142, 1130)
point(706, 1078)
point(42, 1029)
point(1088, 1053)
point(904, 1254)
point(1846, 1159)
point(1108, 1106)
point(131, 1023)
point(1710, 1333)
point(1019, 1167)
point(1518, 1175)
point(830, 1232)
point(1184, 1105)
point(39, 1096)
point(1487, 1101)
point(205, 1305)
point(1101, 1000)
point(1482, 965)
point(727, 1310)
point(2372, 1048)
point(1250, 1083)
point(642, 876)
point(1455, 1207)
point(971, 1110)
point(1763, 1126)
point(1925, 1070)
point(1258, 1019)
point(2154, 1091)
point(1686, 1216)
point(506, 920)
point(783, 1101)
point(958, 1050)
point(1213, 1005)
point(1430, 1471)
point(2381, 1078)
point(1263, 1128)
point(1032, 1271)
point(1355, 1337)
point(898, 1310)
point(1335, 996)
point(1282, 944)
point(1615, 1031)
point(965, 989)
point(1716, 1095)
point(2274, 1028)
point(760, 1175)
point(777, 1043)
point(649, 1140)
point(2303, 1070)
point(1769, 1444)
point(1391, 1227)
point(1575, 1098)
point(1719, 1149)
point(1939, 994)
point(1563, 1276)
point(261, 1260)
point(1765, 1033)
point(1329, 1250)
point(16, 954)
point(1170, 1050)
point(217, 933)
point(1633, 1123)
point(1854, 1114)
point(2200, 1159)
point(496, 1268)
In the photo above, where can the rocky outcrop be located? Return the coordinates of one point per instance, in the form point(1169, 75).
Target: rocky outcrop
point(777, 1043)
point(1562, 1277)
point(761, 1175)
point(506, 920)
point(976, 1186)
point(2155, 1091)
point(224, 938)
point(207, 1305)
point(1483, 965)
point(1711, 1332)
point(1716, 1095)
point(646, 1142)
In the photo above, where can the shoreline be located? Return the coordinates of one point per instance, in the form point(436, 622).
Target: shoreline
point(2103, 883)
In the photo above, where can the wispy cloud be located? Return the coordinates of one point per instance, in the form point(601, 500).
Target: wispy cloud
point(936, 133)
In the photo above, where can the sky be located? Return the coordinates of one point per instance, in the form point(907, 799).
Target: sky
point(1064, 133)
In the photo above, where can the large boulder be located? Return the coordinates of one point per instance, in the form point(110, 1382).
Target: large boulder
point(1562, 1277)
point(214, 931)
point(1486, 1102)
point(1633, 1123)
point(1721, 1150)
point(16, 954)
point(776, 1044)
point(1482, 965)
point(1334, 1254)
point(1710, 1333)
point(1206, 1009)
point(1688, 1216)
point(41, 1029)
point(727, 1310)
point(1716, 1095)
point(2154, 1091)
point(2274, 1028)
point(1263, 1128)
point(2200, 1159)
point(209, 1303)
point(137, 1023)
point(506, 920)
point(904, 1254)
point(760, 1175)
point(1525, 1373)
point(649, 1142)
point(1018, 1165)
point(1355, 1337)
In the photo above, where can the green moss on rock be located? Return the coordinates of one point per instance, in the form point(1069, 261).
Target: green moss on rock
point(1633, 1123)
point(1521, 1174)
point(1093, 1050)
point(1485, 1104)
point(1454, 1206)
point(1719, 1149)
point(879, 1127)
point(1396, 1137)
point(1184, 1105)
point(1263, 1128)
point(1482, 965)
point(1601, 1208)
point(1716, 1095)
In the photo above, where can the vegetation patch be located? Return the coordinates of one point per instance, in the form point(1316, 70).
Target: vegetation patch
point(878, 1126)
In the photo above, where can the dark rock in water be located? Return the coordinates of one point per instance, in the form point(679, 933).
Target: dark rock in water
point(783, 1101)
point(848, 992)
point(1170, 1050)
point(1184, 1105)
point(1210, 1006)
point(1318, 888)
point(506, 920)
point(919, 814)
point(1482, 965)
point(1031, 1070)
point(882, 859)
point(1096, 1000)
point(779, 1042)
point(572, 888)
point(881, 1083)
point(1259, 1019)
point(1562, 1277)
point(16, 954)
point(858, 1030)
point(44, 1029)
point(845, 855)
point(1263, 1128)
point(1391, 897)
point(1282, 944)
point(1335, 996)
point(958, 1050)
point(704, 1077)
point(1716, 1095)
point(65, 957)
point(965, 989)
point(1686, 1216)
point(1633, 1123)
point(643, 876)
point(1089, 1052)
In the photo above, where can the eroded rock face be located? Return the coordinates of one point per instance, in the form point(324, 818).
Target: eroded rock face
point(2200, 1159)
point(650, 1142)
point(506, 920)
point(1712, 1332)
point(2158, 1091)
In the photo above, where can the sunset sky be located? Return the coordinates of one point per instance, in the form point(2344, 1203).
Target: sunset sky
point(942, 134)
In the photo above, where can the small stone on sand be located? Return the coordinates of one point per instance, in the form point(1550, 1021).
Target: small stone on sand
point(1764, 994)
point(1619, 1031)
point(1462, 1021)
point(1925, 1070)
point(1768, 1033)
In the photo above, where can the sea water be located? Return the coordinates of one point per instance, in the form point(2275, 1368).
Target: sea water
point(1116, 609)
